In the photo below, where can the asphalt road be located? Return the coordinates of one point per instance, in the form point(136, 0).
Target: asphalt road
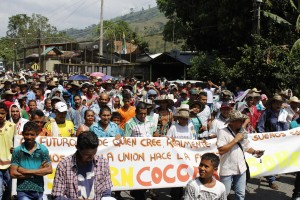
point(257, 189)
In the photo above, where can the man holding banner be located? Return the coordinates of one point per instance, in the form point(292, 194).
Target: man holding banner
point(232, 143)
point(273, 119)
point(139, 126)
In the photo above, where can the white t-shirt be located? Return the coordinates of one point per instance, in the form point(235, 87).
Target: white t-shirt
point(205, 115)
point(210, 94)
point(195, 190)
point(216, 125)
point(182, 132)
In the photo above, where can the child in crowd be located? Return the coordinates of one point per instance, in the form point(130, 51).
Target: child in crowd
point(116, 118)
point(206, 187)
point(30, 162)
point(196, 107)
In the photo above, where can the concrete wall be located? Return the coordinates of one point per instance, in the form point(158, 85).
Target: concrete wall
point(141, 72)
point(50, 64)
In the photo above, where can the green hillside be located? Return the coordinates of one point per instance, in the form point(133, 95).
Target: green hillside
point(148, 23)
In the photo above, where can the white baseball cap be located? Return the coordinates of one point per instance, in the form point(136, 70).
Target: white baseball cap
point(61, 107)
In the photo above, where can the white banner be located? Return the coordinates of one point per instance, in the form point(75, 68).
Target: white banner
point(143, 163)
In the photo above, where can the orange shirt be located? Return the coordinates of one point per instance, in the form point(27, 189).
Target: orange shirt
point(126, 115)
point(45, 132)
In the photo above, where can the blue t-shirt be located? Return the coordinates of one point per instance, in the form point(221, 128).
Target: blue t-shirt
point(111, 131)
point(21, 157)
point(197, 123)
point(294, 124)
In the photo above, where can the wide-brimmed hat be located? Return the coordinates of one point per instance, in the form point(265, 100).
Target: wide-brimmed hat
point(183, 111)
point(201, 105)
point(236, 115)
point(52, 84)
point(255, 90)
point(294, 99)
point(42, 79)
point(252, 94)
point(148, 102)
point(277, 97)
point(8, 80)
point(76, 83)
point(165, 98)
point(227, 93)
point(9, 92)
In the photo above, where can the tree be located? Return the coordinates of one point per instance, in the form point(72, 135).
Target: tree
point(117, 28)
point(207, 66)
point(210, 25)
point(24, 31)
point(266, 66)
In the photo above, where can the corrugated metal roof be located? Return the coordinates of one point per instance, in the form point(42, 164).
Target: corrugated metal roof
point(56, 50)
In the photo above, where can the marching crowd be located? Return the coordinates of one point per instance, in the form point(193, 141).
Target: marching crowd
point(47, 104)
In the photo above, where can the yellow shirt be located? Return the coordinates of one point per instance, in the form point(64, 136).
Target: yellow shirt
point(65, 130)
point(7, 133)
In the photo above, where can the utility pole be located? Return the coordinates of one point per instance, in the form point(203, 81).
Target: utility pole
point(15, 58)
point(101, 32)
point(258, 15)
point(39, 50)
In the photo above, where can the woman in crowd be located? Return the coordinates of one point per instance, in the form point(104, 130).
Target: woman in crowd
point(89, 119)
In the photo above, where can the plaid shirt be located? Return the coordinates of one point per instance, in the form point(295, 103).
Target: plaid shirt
point(65, 184)
point(136, 128)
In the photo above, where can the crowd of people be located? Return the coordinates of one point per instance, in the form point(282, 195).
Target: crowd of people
point(47, 104)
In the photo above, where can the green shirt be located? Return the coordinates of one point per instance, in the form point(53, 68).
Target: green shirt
point(136, 128)
point(21, 157)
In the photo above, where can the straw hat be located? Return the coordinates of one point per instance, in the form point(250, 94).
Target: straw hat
point(52, 84)
point(166, 98)
point(236, 115)
point(183, 111)
point(293, 99)
point(149, 103)
point(76, 83)
point(255, 90)
point(227, 93)
point(277, 97)
point(253, 94)
point(9, 92)
point(201, 105)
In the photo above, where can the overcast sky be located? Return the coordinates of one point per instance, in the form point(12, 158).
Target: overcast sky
point(68, 13)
